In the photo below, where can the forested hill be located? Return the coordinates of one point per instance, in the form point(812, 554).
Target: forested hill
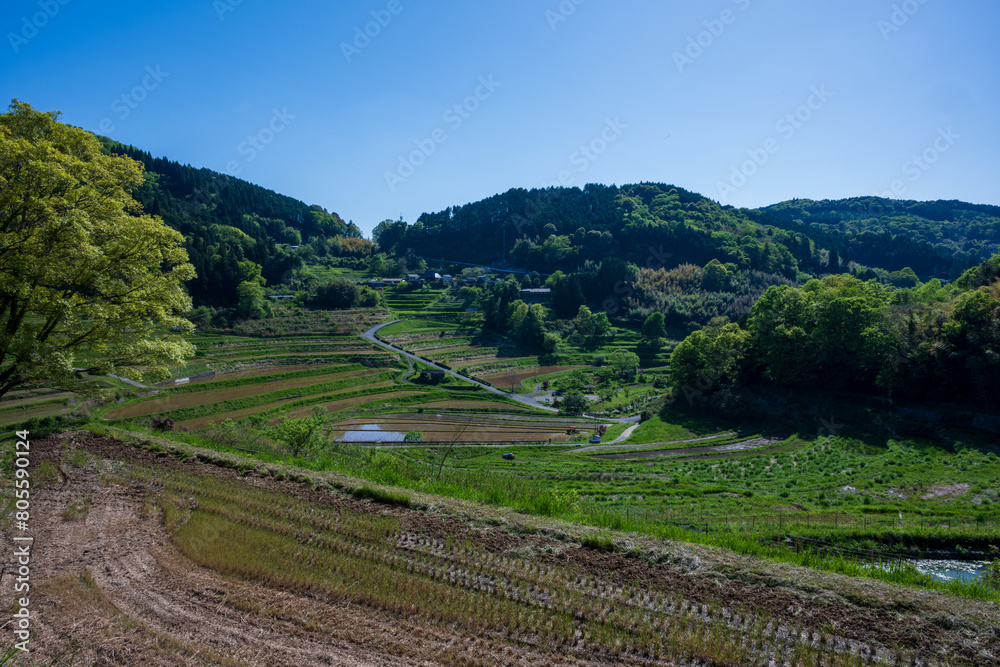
point(226, 221)
point(970, 233)
point(652, 224)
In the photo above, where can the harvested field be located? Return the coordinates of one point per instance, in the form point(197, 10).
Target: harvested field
point(300, 355)
point(254, 372)
point(355, 401)
point(491, 358)
point(187, 563)
point(445, 428)
point(218, 418)
point(18, 402)
point(192, 399)
point(485, 406)
point(43, 410)
point(525, 373)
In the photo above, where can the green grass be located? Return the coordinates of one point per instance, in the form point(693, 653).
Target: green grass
point(659, 430)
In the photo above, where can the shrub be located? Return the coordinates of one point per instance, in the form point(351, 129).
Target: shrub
point(599, 542)
point(385, 496)
point(991, 575)
point(163, 424)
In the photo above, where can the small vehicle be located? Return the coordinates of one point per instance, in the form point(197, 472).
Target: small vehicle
point(596, 440)
point(572, 430)
point(509, 456)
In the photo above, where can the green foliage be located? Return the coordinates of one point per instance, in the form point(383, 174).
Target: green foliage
point(837, 330)
point(250, 302)
point(574, 402)
point(716, 276)
point(342, 294)
point(298, 436)
point(384, 496)
point(991, 575)
point(623, 361)
point(654, 328)
point(709, 358)
point(86, 280)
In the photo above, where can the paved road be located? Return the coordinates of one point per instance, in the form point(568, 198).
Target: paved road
point(520, 398)
point(127, 381)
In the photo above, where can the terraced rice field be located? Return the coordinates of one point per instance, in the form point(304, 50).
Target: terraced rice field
point(447, 428)
point(209, 395)
point(199, 572)
point(484, 406)
point(523, 373)
point(333, 406)
point(343, 404)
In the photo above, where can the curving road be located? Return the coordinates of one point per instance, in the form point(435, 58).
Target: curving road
point(520, 398)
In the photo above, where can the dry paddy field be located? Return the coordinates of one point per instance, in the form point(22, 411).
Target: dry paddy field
point(525, 373)
point(209, 395)
point(451, 427)
point(143, 558)
point(333, 405)
point(482, 406)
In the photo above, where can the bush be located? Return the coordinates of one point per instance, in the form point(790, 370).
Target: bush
point(598, 542)
point(991, 575)
point(163, 424)
point(385, 496)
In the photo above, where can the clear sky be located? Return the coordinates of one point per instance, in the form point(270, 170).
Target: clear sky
point(749, 102)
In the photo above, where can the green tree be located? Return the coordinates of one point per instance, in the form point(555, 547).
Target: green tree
point(709, 359)
point(574, 402)
point(623, 361)
point(87, 281)
point(339, 293)
point(298, 435)
point(715, 277)
point(250, 300)
point(654, 328)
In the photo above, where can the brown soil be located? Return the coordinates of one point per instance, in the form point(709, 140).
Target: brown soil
point(188, 400)
point(254, 372)
point(113, 587)
point(321, 354)
point(444, 428)
point(334, 406)
point(481, 406)
point(219, 417)
point(525, 373)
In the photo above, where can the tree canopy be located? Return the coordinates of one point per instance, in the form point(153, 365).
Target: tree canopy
point(87, 281)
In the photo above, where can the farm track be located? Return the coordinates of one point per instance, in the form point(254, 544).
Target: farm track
point(162, 609)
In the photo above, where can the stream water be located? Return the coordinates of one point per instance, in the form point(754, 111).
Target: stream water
point(951, 570)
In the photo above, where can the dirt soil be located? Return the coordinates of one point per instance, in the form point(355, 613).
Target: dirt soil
point(114, 588)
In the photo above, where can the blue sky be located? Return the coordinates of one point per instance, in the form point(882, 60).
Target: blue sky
point(748, 102)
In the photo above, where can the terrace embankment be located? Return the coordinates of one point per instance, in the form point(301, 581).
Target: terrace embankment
point(142, 577)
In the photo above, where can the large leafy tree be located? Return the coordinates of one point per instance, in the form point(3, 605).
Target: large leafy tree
point(709, 359)
point(87, 281)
